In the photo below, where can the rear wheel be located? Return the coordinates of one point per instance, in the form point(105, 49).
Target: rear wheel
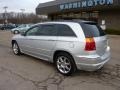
point(16, 48)
point(65, 63)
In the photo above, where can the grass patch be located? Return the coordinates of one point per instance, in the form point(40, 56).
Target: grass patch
point(112, 32)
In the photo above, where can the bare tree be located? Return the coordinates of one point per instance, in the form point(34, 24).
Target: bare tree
point(19, 18)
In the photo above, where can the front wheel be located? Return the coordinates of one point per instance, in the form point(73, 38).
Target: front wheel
point(16, 32)
point(16, 48)
point(65, 64)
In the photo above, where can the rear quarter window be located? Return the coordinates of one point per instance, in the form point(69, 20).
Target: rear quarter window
point(64, 30)
point(92, 30)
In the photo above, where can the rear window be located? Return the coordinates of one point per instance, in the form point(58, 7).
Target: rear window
point(92, 30)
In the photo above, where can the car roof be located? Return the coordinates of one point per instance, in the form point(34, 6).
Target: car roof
point(66, 22)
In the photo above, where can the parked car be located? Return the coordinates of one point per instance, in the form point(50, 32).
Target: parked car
point(1, 26)
point(7, 26)
point(70, 45)
point(21, 28)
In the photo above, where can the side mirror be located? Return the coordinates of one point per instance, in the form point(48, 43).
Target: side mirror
point(22, 33)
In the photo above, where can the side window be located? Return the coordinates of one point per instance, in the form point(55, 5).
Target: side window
point(47, 30)
point(64, 30)
point(32, 31)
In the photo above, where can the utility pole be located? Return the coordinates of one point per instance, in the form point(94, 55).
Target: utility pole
point(22, 15)
point(22, 10)
point(5, 8)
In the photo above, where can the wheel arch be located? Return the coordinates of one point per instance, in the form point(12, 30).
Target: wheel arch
point(61, 51)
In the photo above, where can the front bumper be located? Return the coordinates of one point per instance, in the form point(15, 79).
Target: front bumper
point(92, 62)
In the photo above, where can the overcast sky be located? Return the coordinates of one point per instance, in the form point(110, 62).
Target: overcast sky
point(16, 5)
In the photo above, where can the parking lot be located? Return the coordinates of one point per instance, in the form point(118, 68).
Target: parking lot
point(28, 73)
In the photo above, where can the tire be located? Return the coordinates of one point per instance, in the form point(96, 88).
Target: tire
point(16, 49)
point(65, 64)
point(16, 32)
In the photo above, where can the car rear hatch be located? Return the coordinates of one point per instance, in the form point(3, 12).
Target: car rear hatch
point(95, 36)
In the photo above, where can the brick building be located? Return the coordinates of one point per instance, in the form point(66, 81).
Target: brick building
point(107, 11)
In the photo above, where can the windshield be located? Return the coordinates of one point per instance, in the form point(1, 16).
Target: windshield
point(92, 30)
point(21, 26)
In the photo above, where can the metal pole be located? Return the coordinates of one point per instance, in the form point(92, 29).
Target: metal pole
point(22, 11)
point(5, 8)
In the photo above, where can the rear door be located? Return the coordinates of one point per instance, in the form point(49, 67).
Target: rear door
point(92, 30)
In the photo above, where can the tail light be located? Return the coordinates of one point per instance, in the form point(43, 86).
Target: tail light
point(90, 44)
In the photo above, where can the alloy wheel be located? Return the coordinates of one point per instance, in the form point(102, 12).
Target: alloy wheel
point(15, 48)
point(63, 64)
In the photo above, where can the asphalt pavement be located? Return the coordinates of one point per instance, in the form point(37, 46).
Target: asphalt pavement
point(28, 73)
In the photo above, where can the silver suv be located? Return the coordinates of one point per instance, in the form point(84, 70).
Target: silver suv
point(70, 45)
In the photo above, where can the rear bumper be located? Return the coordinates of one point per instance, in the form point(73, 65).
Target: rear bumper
point(92, 62)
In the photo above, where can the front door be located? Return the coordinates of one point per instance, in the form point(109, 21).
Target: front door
point(40, 41)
